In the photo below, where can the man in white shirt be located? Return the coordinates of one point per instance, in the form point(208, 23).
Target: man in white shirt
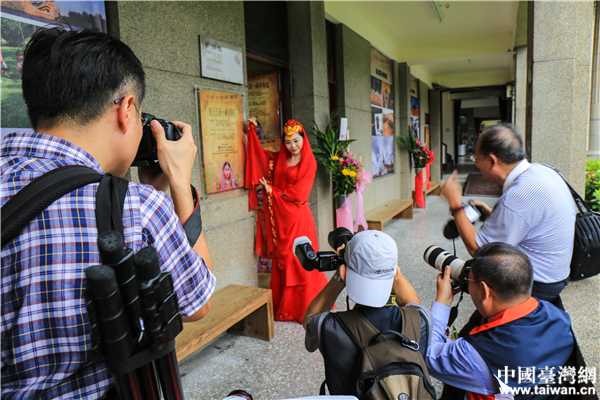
point(536, 212)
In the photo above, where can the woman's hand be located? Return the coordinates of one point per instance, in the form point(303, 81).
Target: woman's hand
point(266, 186)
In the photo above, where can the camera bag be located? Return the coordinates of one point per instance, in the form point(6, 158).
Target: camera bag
point(391, 366)
point(586, 245)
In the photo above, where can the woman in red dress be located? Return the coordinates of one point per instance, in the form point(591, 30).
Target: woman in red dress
point(287, 177)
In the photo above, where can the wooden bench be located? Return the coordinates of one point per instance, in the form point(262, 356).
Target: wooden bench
point(435, 190)
point(397, 208)
point(241, 310)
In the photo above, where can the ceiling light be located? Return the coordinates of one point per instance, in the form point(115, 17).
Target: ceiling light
point(437, 7)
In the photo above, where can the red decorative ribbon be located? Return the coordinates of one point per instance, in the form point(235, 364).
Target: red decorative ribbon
point(419, 197)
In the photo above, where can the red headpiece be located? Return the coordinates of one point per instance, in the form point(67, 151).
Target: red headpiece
point(292, 127)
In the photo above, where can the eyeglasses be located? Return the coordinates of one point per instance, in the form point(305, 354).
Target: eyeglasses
point(117, 101)
point(467, 279)
point(474, 157)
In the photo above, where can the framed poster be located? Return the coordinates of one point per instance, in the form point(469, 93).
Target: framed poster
point(20, 19)
point(222, 135)
point(221, 61)
point(382, 114)
point(263, 103)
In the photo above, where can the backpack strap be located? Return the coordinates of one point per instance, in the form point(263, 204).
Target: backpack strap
point(357, 326)
point(110, 199)
point(39, 194)
point(578, 200)
point(411, 323)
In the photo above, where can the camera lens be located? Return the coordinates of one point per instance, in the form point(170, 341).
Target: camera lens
point(439, 259)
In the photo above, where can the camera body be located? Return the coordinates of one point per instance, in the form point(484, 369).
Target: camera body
point(439, 258)
point(474, 214)
point(322, 260)
point(146, 154)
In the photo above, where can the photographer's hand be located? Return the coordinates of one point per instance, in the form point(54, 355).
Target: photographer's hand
point(176, 159)
point(404, 291)
point(452, 191)
point(445, 293)
point(486, 209)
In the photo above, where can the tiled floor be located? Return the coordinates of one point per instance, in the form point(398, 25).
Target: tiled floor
point(282, 368)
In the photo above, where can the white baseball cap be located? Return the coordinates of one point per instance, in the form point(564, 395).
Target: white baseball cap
point(371, 259)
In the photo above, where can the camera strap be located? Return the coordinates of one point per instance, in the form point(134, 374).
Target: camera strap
point(454, 311)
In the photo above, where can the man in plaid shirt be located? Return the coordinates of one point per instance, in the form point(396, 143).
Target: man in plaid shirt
point(84, 93)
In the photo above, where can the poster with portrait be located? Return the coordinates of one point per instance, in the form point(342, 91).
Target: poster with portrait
point(382, 114)
point(222, 135)
point(20, 19)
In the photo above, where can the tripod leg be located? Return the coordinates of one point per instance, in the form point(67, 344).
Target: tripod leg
point(127, 386)
point(168, 373)
point(149, 386)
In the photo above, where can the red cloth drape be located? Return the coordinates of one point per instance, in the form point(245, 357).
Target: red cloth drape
point(428, 175)
point(287, 216)
point(419, 197)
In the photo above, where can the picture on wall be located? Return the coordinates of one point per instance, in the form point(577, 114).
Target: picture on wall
point(263, 102)
point(222, 135)
point(382, 114)
point(20, 19)
point(414, 107)
point(414, 116)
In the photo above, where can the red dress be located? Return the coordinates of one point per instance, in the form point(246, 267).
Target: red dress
point(287, 216)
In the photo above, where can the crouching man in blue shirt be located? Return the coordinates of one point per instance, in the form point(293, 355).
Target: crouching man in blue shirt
point(523, 345)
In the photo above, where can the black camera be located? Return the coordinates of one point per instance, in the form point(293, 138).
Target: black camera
point(323, 260)
point(474, 214)
point(146, 154)
point(439, 258)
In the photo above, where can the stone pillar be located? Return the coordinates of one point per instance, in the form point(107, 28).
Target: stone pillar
point(594, 141)
point(435, 128)
point(561, 86)
point(310, 95)
point(403, 129)
point(521, 90)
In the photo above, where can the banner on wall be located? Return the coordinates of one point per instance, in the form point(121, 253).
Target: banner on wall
point(20, 19)
point(414, 107)
point(222, 133)
point(263, 103)
point(382, 114)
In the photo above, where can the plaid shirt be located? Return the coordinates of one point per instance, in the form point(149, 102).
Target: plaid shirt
point(45, 333)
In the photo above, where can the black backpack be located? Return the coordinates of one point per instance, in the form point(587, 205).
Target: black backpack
point(391, 366)
point(585, 261)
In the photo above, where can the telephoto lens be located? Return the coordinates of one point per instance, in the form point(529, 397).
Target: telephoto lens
point(439, 259)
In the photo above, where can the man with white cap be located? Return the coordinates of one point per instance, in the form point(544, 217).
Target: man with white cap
point(373, 281)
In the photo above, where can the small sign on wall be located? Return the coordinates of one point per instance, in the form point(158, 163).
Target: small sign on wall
point(221, 61)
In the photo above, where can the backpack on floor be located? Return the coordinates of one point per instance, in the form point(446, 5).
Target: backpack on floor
point(391, 366)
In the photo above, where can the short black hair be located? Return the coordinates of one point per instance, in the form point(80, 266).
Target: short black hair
point(503, 141)
point(506, 269)
point(71, 77)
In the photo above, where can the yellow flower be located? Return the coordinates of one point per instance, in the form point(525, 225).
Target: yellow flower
point(335, 158)
point(352, 174)
point(345, 172)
